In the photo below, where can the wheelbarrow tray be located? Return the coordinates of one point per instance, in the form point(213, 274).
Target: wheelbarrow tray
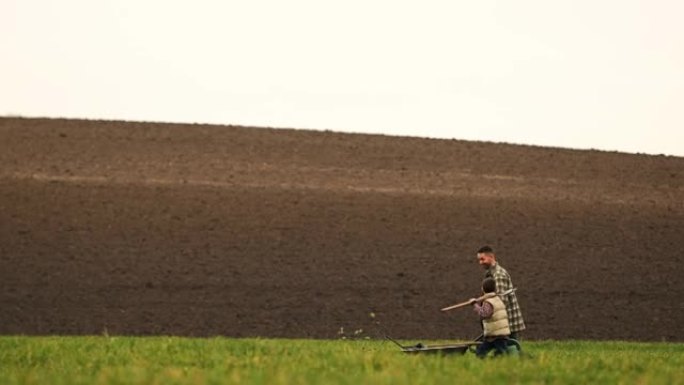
point(439, 349)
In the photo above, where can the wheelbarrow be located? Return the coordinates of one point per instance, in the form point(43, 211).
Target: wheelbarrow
point(457, 348)
point(513, 347)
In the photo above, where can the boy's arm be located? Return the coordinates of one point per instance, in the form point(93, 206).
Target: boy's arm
point(485, 310)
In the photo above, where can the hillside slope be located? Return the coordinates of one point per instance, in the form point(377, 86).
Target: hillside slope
point(143, 228)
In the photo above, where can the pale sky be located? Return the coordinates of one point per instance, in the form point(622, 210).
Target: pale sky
point(579, 74)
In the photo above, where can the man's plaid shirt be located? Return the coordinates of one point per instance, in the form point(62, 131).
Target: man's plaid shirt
point(503, 283)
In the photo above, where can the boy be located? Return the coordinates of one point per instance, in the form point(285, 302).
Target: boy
point(492, 312)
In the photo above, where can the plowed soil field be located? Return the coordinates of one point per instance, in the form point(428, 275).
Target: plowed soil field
point(200, 230)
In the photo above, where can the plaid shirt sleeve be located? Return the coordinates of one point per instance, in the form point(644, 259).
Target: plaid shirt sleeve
point(503, 283)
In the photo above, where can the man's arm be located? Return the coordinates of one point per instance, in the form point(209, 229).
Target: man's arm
point(503, 282)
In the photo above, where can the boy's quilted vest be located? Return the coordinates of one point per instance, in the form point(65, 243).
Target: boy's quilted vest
point(497, 324)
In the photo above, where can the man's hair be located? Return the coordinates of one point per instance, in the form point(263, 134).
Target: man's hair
point(485, 250)
point(489, 285)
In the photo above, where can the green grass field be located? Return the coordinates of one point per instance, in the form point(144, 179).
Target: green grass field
point(171, 360)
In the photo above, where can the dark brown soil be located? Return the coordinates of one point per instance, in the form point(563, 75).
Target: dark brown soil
point(140, 228)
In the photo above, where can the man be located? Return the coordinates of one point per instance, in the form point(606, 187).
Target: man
point(487, 259)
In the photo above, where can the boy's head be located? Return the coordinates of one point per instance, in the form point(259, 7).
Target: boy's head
point(489, 285)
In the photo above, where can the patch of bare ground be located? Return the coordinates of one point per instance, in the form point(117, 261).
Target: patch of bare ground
point(142, 228)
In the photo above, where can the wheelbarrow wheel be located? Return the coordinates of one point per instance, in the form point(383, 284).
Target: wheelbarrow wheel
point(513, 347)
